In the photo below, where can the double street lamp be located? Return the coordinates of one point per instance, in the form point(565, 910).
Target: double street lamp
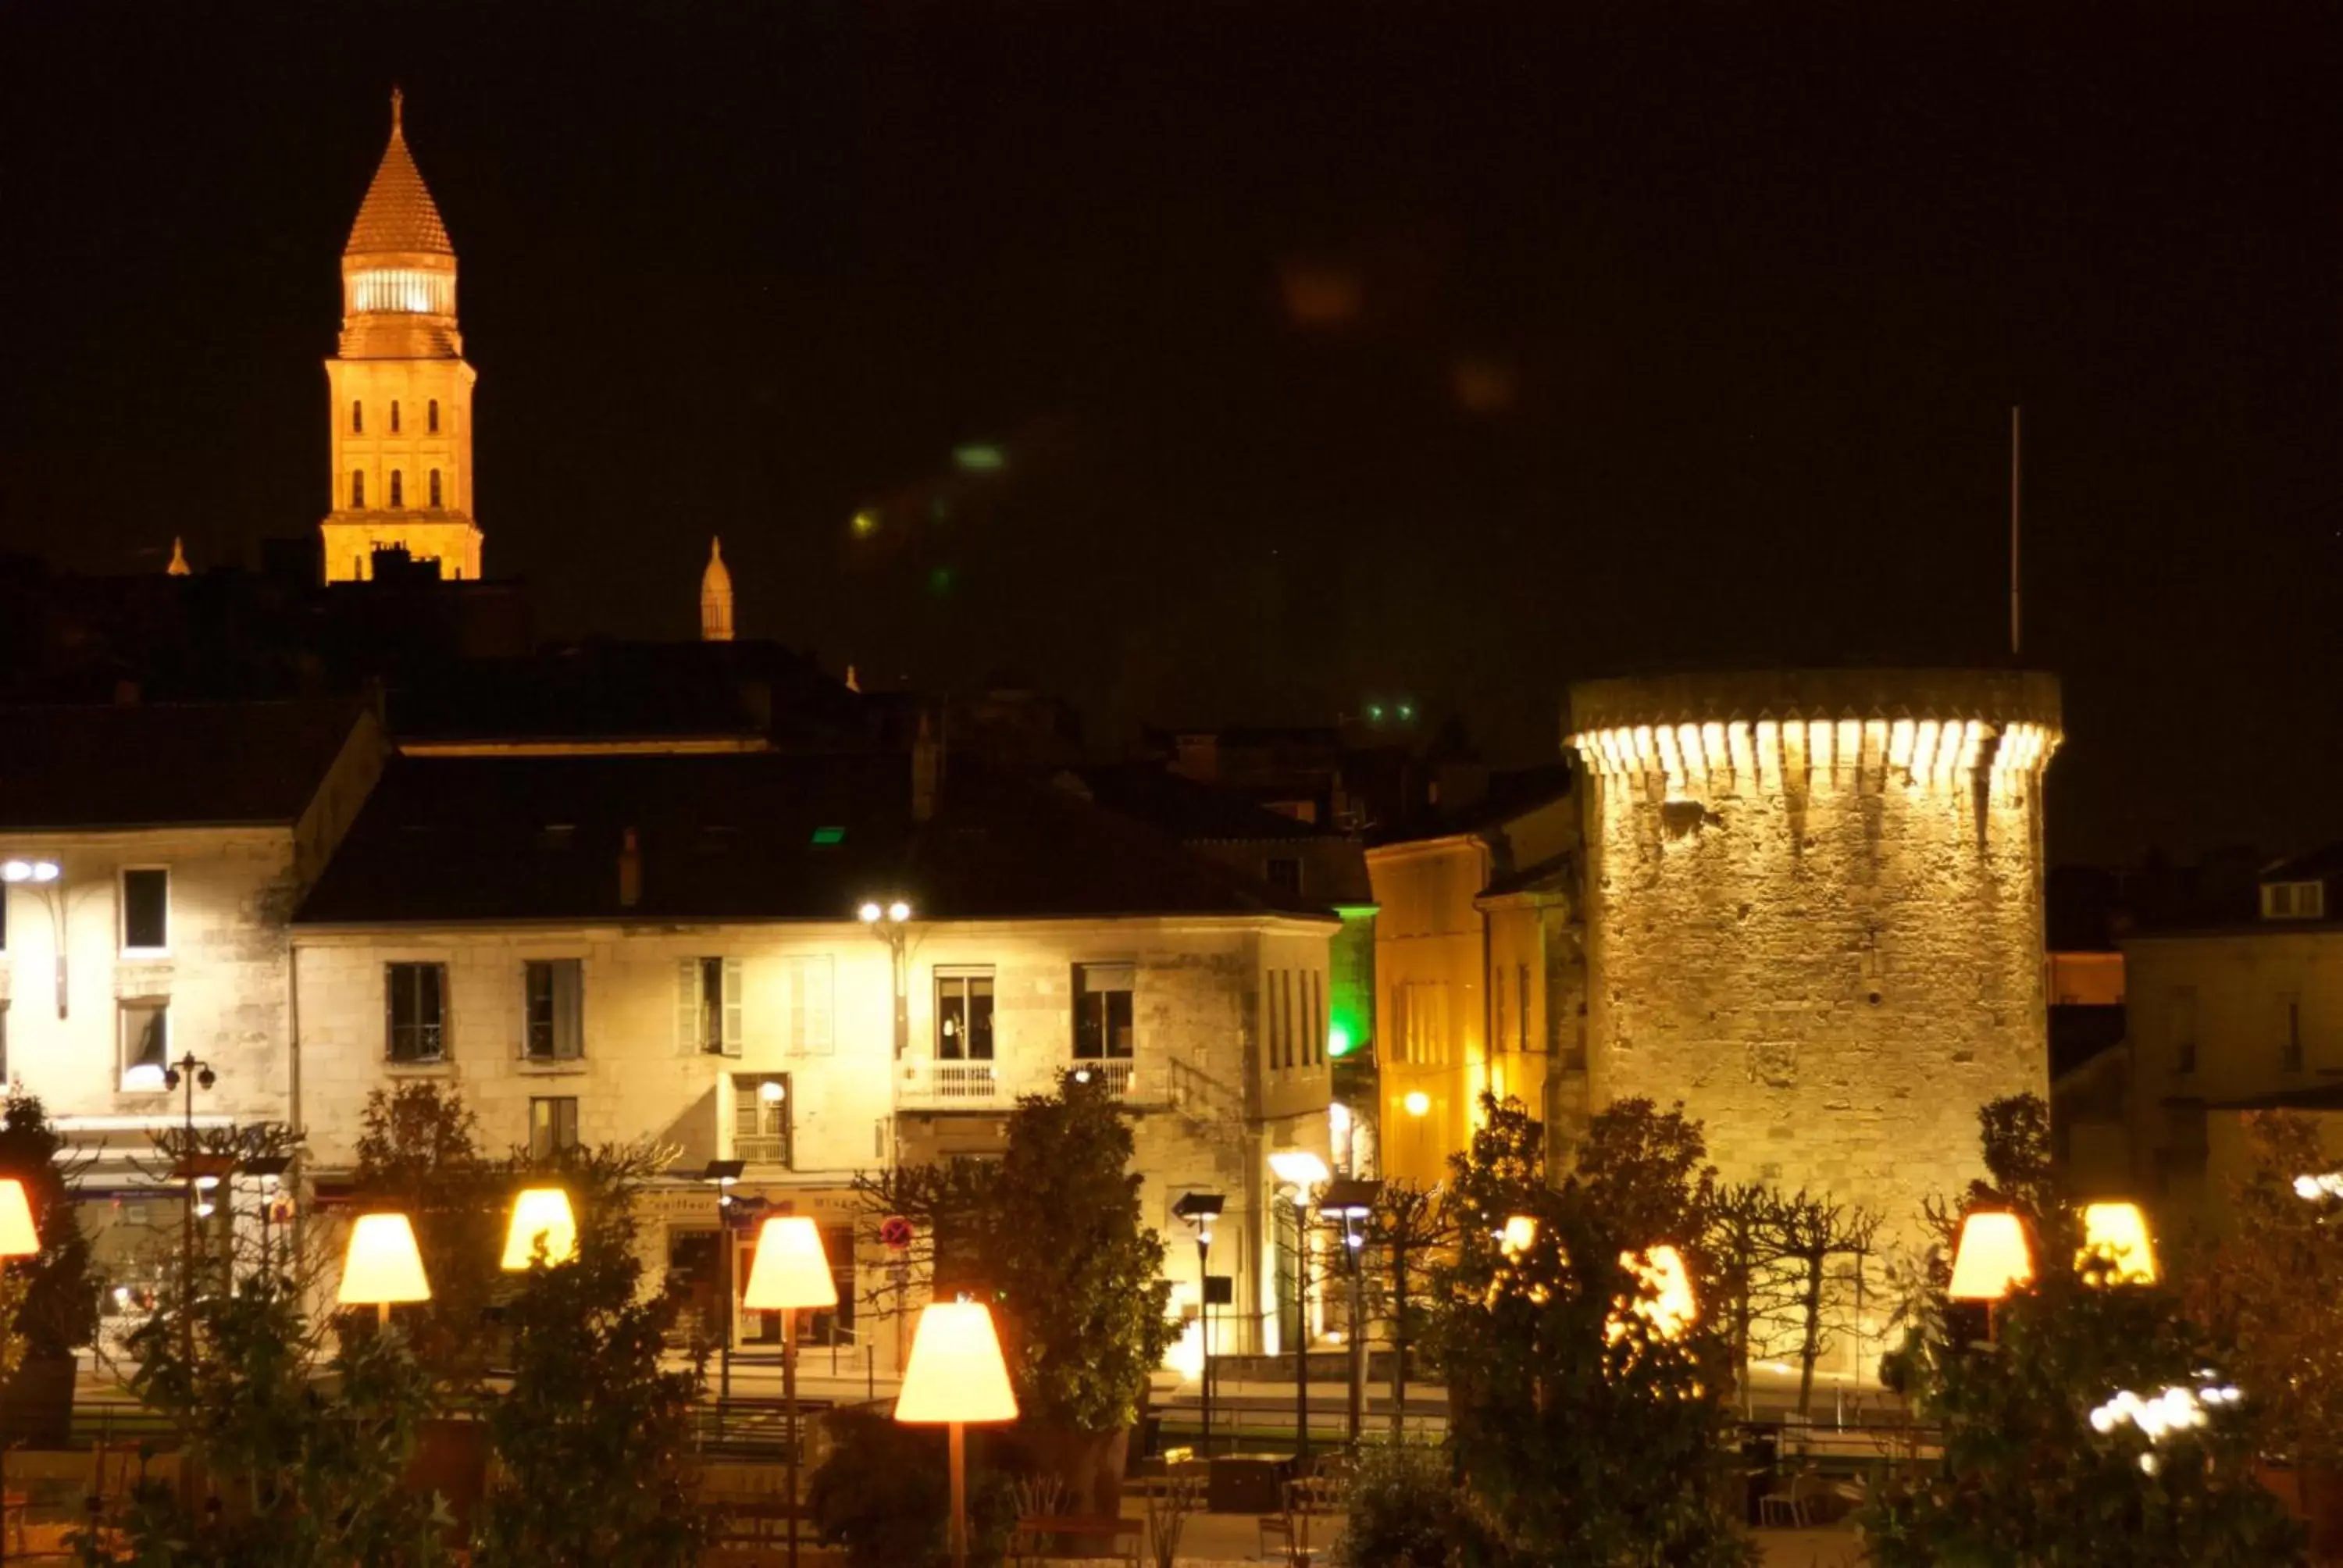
point(1351, 1200)
point(1299, 1172)
point(1200, 1210)
point(890, 920)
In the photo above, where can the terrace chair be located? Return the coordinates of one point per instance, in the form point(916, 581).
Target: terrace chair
point(1786, 1505)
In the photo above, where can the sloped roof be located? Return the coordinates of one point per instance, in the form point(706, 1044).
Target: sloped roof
point(1179, 805)
point(759, 836)
point(398, 214)
point(183, 764)
point(2318, 866)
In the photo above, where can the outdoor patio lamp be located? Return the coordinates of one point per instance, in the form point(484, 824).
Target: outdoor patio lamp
point(2115, 1247)
point(19, 1237)
point(1991, 1258)
point(957, 1376)
point(791, 1272)
point(540, 1213)
point(382, 1266)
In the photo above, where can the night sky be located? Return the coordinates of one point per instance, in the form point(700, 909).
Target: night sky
point(1336, 353)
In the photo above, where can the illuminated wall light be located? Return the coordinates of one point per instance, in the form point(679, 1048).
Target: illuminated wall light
point(1644, 753)
point(1821, 747)
point(1899, 744)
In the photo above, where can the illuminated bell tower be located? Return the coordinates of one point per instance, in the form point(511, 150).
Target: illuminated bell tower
point(401, 412)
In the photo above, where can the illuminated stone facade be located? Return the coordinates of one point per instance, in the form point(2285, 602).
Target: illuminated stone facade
point(400, 411)
point(1813, 910)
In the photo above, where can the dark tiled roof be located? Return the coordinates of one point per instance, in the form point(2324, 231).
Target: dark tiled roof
point(737, 837)
point(183, 763)
point(1181, 805)
point(2318, 866)
point(398, 214)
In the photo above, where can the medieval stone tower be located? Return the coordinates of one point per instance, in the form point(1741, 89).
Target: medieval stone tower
point(1813, 911)
point(400, 411)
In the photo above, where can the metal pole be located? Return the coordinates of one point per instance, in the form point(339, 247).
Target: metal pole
point(1358, 1336)
point(724, 1313)
point(789, 1414)
point(1301, 1333)
point(1204, 1292)
point(958, 1498)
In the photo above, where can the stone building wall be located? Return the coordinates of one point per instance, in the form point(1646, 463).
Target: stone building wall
point(1814, 914)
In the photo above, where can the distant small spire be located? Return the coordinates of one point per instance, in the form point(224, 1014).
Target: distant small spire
point(179, 566)
point(853, 683)
point(397, 102)
point(716, 597)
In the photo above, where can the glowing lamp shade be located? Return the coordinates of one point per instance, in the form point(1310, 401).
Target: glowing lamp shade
point(2115, 1248)
point(541, 1211)
point(956, 1372)
point(1298, 1166)
point(18, 1239)
point(1992, 1257)
point(382, 1267)
point(1520, 1232)
point(791, 1270)
point(1417, 1102)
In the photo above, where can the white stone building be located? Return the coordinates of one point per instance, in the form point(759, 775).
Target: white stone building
point(604, 948)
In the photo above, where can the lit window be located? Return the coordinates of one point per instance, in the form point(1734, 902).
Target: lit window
point(964, 1015)
point(1103, 1030)
point(145, 912)
point(553, 995)
point(431, 415)
point(357, 418)
point(2294, 901)
point(398, 488)
point(417, 1011)
point(552, 1125)
point(435, 489)
point(761, 1118)
point(357, 488)
point(146, 1043)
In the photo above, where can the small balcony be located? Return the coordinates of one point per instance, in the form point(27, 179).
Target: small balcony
point(950, 1085)
point(761, 1148)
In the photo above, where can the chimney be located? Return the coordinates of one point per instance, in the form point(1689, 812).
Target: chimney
point(927, 771)
point(631, 870)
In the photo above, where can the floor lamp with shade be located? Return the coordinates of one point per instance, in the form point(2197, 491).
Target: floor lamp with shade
point(539, 1214)
point(19, 1237)
point(957, 1376)
point(791, 1273)
point(382, 1267)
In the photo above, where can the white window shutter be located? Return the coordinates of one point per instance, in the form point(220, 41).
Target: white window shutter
point(814, 986)
point(733, 1007)
point(687, 1004)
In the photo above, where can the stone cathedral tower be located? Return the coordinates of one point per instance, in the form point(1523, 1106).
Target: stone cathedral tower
point(1814, 914)
point(401, 408)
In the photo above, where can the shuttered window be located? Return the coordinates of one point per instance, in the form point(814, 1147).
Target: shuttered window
point(708, 1005)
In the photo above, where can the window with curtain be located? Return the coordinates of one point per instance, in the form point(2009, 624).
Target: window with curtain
point(554, 1000)
point(1103, 1025)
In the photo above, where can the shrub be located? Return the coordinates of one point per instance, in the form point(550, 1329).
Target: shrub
point(1402, 1509)
point(885, 1492)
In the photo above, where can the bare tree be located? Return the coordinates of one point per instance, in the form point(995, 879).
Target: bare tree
point(1410, 1222)
point(1808, 1232)
point(1743, 1233)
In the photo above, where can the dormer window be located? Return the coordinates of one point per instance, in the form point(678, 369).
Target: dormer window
point(2294, 901)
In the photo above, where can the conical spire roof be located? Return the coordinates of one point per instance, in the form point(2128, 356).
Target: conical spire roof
point(398, 214)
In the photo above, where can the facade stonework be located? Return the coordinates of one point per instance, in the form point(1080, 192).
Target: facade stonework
point(1814, 914)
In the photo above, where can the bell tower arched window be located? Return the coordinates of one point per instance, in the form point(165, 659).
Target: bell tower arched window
point(357, 488)
point(394, 415)
point(396, 499)
point(358, 417)
point(435, 489)
point(431, 415)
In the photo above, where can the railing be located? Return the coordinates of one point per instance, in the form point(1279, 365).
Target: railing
point(761, 1148)
point(1121, 1076)
point(923, 1082)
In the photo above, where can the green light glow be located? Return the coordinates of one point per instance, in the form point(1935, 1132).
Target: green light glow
point(939, 581)
point(1338, 1041)
point(1406, 711)
point(1375, 712)
point(865, 524)
point(979, 457)
point(830, 835)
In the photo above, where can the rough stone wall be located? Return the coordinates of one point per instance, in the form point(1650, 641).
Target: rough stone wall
point(1814, 914)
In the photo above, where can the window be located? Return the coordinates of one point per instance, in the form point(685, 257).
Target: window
point(416, 1009)
point(964, 1015)
point(553, 992)
point(806, 984)
point(398, 489)
point(1103, 1012)
point(2183, 1021)
point(146, 1043)
point(1285, 874)
point(708, 1010)
point(1499, 1029)
point(145, 912)
point(761, 1118)
point(2294, 901)
point(357, 488)
point(357, 418)
point(435, 489)
point(2289, 1034)
point(1314, 1019)
point(394, 415)
point(431, 415)
point(1522, 1009)
point(552, 1125)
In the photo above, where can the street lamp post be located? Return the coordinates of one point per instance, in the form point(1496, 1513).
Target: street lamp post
point(1300, 1170)
point(889, 919)
point(41, 877)
point(956, 1376)
point(196, 1172)
point(791, 1272)
point(720, 1174)
point(1352, 1201)
point(1200, 1210)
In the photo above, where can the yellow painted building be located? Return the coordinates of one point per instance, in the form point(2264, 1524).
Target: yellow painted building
point(1473, 955)
point(400, 412)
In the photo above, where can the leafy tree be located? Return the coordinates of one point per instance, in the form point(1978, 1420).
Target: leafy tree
point(419, 1152)
point(1581, 1432)
point(1402, 1511)
point(593, 1437)
point(884, 1495)
point(2026, 1476)
point(1648, 1170)
point(303, 1454)
point(59, 1307)
point(2273, 1291)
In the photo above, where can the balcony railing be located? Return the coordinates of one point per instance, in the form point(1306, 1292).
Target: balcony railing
point(921, 1081)
point(1121, 1075)
point(761, 1148)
